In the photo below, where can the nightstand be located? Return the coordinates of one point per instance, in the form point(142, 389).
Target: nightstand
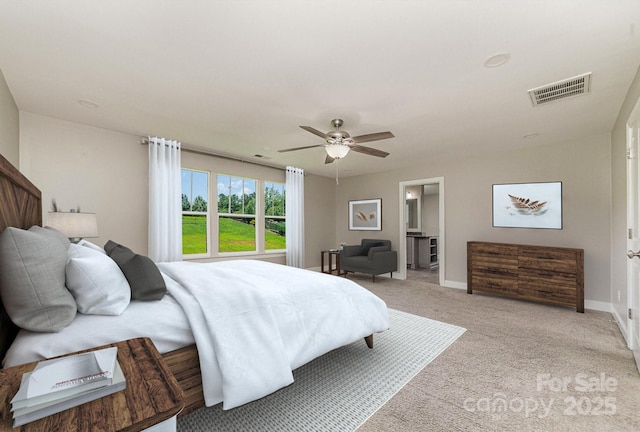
point(151, 401)
point(333, 257)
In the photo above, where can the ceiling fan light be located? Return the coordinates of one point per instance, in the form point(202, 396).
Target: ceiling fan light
point(337, 151)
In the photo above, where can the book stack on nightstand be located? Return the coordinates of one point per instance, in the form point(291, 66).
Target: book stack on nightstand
point(59, 384)
point(150, 402)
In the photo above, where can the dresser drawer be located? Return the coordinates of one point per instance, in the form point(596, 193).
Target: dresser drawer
point(551, 265)
point(546, 277)
point(479, 248)
point(494, 285)
point(498, 265)
point(549, 253)
point(551, 275)
point(551, 293)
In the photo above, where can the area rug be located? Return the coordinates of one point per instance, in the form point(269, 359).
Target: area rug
point(342, 389)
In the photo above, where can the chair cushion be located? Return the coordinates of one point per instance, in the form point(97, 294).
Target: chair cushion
point(367, 246)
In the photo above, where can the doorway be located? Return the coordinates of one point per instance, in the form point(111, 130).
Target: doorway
point(421, 239)
point(633, 225)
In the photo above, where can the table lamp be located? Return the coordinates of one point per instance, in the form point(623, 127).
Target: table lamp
point(74, 225)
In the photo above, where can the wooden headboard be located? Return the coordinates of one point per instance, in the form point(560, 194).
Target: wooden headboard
point(21, 207)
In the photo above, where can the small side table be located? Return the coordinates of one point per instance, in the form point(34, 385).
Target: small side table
point(333, 262)
point(152, 399)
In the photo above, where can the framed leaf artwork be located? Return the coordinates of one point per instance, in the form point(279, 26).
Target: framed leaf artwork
point(527, 205)
point(365, 215)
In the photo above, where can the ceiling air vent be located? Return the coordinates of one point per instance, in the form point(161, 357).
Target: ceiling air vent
point(564, 89)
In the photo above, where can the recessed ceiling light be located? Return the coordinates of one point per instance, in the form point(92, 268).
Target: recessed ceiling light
point(87, 103)
point(497, 60)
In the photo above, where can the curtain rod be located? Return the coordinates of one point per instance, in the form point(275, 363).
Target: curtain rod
point(207, 152)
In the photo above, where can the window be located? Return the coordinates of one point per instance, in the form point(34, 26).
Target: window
point(274, 216)
point(195, 211)
point(236, 214)
point(248, 217)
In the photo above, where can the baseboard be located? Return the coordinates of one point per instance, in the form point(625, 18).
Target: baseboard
point(588, 304)
point(384, 275)
point(454, 284)
point(622, 324)
point(598, 306)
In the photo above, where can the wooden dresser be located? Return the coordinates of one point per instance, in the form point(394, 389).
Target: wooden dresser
point(540, 273)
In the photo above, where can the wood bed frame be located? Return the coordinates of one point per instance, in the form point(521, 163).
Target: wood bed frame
point(21, 207)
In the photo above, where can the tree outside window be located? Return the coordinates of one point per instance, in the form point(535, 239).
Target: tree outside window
point(236, 214)
point(274, 216)
point(195, 214)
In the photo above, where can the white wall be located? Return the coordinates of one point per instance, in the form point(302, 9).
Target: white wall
point(584, 167)
point(9, 125)
point(431, 214)
point(319, 218)
point(100, 170)
point(106, 172)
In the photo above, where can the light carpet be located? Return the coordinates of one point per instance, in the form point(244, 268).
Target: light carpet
point(341, 389)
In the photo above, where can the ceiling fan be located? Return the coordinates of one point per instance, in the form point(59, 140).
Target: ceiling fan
point(339, 143)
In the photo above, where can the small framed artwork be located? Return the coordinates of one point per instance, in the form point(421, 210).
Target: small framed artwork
point(365, 215)
point(527, 205)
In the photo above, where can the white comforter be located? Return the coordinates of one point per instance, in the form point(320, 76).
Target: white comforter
point(254, 322)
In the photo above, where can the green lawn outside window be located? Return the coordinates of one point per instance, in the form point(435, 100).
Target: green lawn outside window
point(194, 234)
point(234, 236)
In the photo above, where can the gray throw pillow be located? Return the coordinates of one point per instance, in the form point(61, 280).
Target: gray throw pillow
point(32, 279)
point(144, 278)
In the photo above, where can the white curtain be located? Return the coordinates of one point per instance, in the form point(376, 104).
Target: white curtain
point(294, 203)
point(165, 209)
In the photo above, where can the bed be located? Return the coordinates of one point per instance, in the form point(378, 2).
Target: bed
point(217, 311)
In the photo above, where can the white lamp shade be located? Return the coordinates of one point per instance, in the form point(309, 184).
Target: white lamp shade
point(337, 151)
point(74, 225)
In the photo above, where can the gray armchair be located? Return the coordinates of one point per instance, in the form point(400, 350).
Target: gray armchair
point(371, 256)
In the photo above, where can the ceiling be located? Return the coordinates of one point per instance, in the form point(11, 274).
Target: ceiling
point(240, 77)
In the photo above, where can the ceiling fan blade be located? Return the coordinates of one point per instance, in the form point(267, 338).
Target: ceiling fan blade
point(300, 148)
point(372, 137)
point(369, 151)
point(315, 131)
point(328, 160)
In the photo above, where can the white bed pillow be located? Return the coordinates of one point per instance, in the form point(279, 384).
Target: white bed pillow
point(96, 282)
point(91, 246)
